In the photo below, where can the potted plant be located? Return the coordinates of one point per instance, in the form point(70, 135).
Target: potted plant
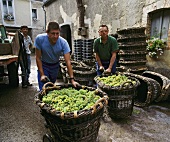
point(155, 47)
point(9, 17)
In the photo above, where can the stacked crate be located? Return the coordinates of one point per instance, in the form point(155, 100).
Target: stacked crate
point(78, 43)
point(132, 45)
point(87, 49)
point(83, 49)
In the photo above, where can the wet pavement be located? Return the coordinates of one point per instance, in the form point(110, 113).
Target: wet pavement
point(21, 121)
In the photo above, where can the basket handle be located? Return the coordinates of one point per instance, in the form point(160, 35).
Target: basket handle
point(47, 84)
point(123, 84)
point(48, 87)
point(100, 103)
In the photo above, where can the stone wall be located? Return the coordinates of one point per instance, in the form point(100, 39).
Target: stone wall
point(117, 14)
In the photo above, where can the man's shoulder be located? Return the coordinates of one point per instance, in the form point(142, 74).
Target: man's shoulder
point(43, 35)
point(111, 38)
point(97, 40)
point(62, 39)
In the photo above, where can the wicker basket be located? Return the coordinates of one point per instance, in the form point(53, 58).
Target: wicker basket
point(121, 98)
point(136, 38)
point(130, 31)
point(133, 47)
point(90, 63)
point(119, 90)
point(120, 106)
point(148, 90)
point(64, 67)
point(87, 73)
point(84, 75)
point(132, 63)
point(78, 126)
point(163, 81)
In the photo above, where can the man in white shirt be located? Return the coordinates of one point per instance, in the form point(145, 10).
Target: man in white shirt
point(27, 44)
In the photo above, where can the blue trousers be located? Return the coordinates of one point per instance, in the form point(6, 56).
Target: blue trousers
point(29, 66)
point(51, 71)
point(106, 65)
point(26, 70)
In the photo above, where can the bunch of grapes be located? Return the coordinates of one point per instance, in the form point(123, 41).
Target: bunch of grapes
point(70, 99)
point(116, 80)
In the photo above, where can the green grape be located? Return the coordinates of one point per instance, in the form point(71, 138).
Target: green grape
point(70, 99)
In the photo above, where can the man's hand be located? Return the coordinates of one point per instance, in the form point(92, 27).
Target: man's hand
point(101, 68)
point(74, 83)
point(44, 78)
point(108, 70)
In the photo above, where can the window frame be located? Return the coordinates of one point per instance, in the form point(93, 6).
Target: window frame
point(160, 19)
point(36, 17)
point(7, 14)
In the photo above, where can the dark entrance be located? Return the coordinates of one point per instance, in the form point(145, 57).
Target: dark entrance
point(66, 33)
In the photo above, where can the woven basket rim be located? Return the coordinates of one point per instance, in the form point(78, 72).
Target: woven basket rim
point(88, 70)
point(150, 91)
point(63, 64)
point(107, 87)
point(76, 114)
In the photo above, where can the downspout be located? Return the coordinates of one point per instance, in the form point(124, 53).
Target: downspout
point(81, 10)
point(82, 30)
point(45, 21)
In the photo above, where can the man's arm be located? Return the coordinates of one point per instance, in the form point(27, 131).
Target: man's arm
point(98, 59)
point(30, 42)
point(68, 63)
point(70, 70)
point(112, 60)
point(38, 61)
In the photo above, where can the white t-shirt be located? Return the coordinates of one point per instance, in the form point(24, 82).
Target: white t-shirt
point(27, 43)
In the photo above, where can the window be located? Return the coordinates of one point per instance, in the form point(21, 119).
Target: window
point(160, 22)
point(8, 9)
point(39, 0)
point(34, 14)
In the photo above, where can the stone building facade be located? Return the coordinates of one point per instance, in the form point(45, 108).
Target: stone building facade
point(15, 13)
point(117, 14)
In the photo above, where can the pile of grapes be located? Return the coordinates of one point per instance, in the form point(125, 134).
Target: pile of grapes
point(115, 80)
point(70, 99)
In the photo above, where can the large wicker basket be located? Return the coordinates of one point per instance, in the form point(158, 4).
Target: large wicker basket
point(121, 98)
point(78, 126)
point(147, 92)
point(164, 83)
point(120, 106)
point(84, 75)
point(118, 90)
point(64, 67)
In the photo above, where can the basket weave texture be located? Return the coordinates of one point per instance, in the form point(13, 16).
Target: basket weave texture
point(163, 81)
point(119, 90)
point(64, 67)
point(121, 98)
point(120, 106)
point(78, 126)
point(147, 92)
point(83, 75)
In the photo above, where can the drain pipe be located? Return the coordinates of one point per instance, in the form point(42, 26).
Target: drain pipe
point(44, 17)
point(82, 30)
point(81, 10)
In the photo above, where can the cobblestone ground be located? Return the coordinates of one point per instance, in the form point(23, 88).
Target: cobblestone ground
point(21, 121)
